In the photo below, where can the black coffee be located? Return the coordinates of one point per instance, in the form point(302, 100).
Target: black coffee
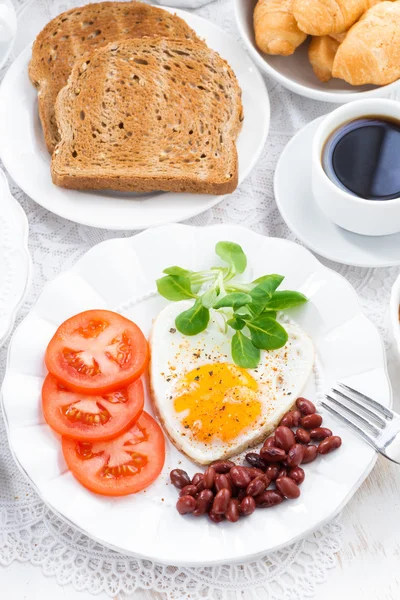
point(363, 157)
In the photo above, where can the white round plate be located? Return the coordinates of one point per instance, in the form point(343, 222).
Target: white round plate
point(23, 151)
point(15, 261)
point(394, 313)
point(6, 46)
point(298, 208)
point(119, 275)
point(295, 72)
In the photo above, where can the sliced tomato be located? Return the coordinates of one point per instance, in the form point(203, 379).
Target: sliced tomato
point(96, 352)
point(86, 417)
point(125, 465)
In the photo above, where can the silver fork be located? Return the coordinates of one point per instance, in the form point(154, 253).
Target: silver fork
point(376, 423)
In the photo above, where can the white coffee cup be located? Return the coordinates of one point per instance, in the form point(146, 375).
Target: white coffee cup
point(367, 217)
point(8, 29)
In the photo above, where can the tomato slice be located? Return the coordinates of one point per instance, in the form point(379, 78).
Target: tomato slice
point(125, 465)
point(86, 417)
point(96, 352)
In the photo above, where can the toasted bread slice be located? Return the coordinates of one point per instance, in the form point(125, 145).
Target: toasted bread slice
point(149, 114)
point(70, 35)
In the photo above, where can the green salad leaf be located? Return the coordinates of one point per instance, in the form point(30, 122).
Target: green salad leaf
point(250, 309)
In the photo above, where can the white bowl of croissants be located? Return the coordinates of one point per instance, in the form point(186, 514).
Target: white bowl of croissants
point(330, 50)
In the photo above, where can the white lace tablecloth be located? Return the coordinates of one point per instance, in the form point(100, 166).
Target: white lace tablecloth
point(31, 532)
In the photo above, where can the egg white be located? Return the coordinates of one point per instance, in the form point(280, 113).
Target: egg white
point(281, 376)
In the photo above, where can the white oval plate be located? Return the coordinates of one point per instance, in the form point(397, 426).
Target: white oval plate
point(119, 275)
point(303, 216)
point(23, 151)
point(7, 45)
point(295, 72)
point(15, 261)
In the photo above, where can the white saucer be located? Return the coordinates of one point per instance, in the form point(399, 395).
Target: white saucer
point(297, 206)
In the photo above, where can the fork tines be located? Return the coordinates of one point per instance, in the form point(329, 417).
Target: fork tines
point(368, 417)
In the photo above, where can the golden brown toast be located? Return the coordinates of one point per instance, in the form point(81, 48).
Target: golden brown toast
point(149, 114)
point(70, 35)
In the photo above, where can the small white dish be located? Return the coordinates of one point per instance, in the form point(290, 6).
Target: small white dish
point(355, 214)
point(8, 29)
point(303, 216)
point(24, 154)
point(394, 309)
point(120, 275)
point(15, 261)
point(295, 72)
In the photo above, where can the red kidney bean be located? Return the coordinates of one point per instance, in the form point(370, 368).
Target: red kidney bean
point(284, 438)
point(258, 485)
point(296, 416)
point(241, 494)
point(272, 472)
point(179, 478)
point(282, 472)
point(222, 466)
point(320, 433)
point(306, 407)
point(302, 436)
point(200, 486)
point(311, 421)
point(295, 455)
point(233, 512)
point(273, 455)
point(214, 517)
point(269, 498)
point(234, 489)
point(247, 506)
point(329, 444)
point(269, 442)
point(254, 472)
point(310, 454)
point(221, 502)
point(196, 478)
point(208, 477)
point(240, 477)
point(185, 505)
point(287, 420)
point(221, 481)
point(203, 503)
point(188, 490)
point(287, 487)
point(256, 461)
point(291, 418)
point(297, 474)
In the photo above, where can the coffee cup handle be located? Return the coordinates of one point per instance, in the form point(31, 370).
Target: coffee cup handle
point(8, 23)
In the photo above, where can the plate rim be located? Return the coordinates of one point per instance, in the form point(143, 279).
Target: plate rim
point(22, 247)
point(20, 63)
point(293, 539)
point(289, 222)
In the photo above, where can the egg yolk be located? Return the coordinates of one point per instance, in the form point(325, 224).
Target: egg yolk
point(220, 400)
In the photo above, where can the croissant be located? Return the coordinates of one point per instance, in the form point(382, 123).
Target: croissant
point(371, 51)
point(321, 53)
point(275, 28)
point(339, 37)
point(322, 17)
